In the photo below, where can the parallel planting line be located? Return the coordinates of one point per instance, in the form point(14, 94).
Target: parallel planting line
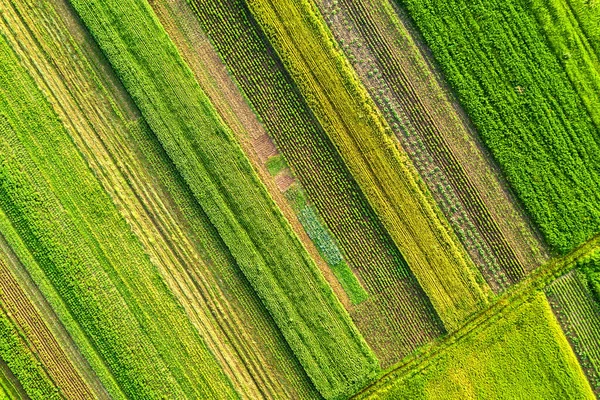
point(397, 317)
point(42, 342)
point(75, 234)
point(445, 150)
point(350, 119)
point(23, 363)
point(314, 323)
point(112, 147)
point(579, 315)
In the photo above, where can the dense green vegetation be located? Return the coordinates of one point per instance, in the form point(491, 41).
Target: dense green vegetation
point(523, 355)
point(525, 108)
point(591, 268)
point(315, 325)
point(351, 121)
point(573, 50)
point(587, 14)
point(89, 255)
point(276, 164)
point(331, 254)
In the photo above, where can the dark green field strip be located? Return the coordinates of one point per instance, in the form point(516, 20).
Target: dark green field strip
point(572, 48)
point(579, 315)
point(587, 14)
point(521, 101)
point(407, 316)
point(89, 255)
point(315, 325)
point(538, 280)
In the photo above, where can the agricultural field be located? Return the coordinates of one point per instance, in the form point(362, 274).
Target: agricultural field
point(311, 199)
point(579, 314)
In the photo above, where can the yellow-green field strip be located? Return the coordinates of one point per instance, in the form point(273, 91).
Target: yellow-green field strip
point(349, 117)
point(132, 167)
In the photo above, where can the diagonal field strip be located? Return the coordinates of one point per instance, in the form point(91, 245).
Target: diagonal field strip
point(537, 280)
point(381, 169)
point(314, 323)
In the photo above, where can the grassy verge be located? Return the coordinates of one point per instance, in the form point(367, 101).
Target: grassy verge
point(348, 116)
point(315, 325)
point(507, 77)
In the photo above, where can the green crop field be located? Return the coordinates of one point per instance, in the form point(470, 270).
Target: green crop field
point(312, 199)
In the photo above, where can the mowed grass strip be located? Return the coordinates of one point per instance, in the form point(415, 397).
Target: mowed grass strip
point(314, 323)
point(507, 77)
point(524, 355)
point(350, 119)
point(86, 250)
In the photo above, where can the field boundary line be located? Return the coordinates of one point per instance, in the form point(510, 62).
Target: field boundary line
point(537, 280)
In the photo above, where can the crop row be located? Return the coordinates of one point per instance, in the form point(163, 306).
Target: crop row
point(22, 362)
point(58, 365)
point(572, 48)
point(353, 124)
point(131, 166)
point(312, 320)
point(524, 107)
point(305, 146)
point(88, 253)
point(365, 244)
point(426, 139)
point(587, 15)
point(579, 315)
